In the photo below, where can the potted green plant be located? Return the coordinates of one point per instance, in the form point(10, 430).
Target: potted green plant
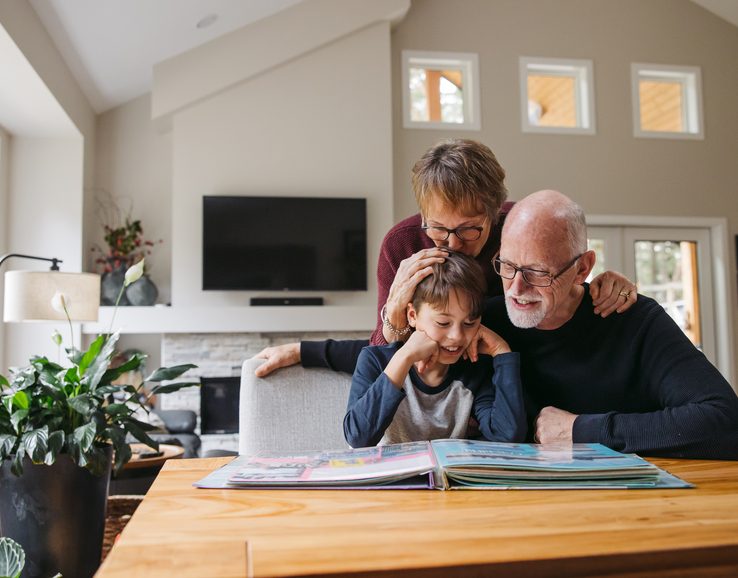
point(62, 428)
point(12, 558)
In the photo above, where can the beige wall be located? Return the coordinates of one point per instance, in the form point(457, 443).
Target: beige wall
point(133, 163)
point(4, 149)
point(45, 202)
point(611, 172)
point(318, 125)
point(134, 166)
point(4, 163)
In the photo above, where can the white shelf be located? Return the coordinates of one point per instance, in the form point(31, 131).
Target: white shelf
point(162, 319)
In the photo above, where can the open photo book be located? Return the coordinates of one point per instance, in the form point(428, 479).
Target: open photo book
point(446, 465)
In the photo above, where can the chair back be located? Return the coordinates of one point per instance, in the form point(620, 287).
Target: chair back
point(292, 409)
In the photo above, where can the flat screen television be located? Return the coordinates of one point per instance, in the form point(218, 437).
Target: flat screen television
point(284, 243)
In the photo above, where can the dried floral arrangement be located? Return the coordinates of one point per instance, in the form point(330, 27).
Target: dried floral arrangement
point(123, 235)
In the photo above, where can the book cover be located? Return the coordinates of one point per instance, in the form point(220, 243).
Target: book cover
point(446, 465)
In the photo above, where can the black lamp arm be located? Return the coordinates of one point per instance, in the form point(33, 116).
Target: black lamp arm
point(54, 261)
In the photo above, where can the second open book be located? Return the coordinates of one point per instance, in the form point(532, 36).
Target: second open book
point(446, 464)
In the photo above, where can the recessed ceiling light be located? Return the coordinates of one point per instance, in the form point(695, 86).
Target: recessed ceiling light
point(206, 21)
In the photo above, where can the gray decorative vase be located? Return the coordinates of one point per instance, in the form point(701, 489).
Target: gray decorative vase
point(142, 292)
point(110, 286)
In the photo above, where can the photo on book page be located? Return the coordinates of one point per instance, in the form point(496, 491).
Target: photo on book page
point(398, 466)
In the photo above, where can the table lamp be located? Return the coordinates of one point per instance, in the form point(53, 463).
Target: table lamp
point(28, 294)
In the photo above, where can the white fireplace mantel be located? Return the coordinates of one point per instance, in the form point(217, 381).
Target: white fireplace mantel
point(184, 319)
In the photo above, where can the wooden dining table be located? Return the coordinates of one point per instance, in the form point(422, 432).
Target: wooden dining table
point(181, 531)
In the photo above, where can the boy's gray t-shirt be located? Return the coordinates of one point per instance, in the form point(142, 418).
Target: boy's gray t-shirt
point(423, 415)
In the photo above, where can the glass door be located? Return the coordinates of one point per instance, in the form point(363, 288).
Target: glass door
point(670, 265)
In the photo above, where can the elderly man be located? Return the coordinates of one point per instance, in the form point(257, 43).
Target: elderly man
point(632, 382)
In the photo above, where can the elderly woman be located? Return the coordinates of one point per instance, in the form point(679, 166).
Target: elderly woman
point(460, 190)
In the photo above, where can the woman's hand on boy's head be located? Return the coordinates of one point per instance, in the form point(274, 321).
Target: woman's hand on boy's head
point(486, 342)
point(411, 272)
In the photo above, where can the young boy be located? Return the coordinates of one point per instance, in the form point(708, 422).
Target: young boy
point(424, 390)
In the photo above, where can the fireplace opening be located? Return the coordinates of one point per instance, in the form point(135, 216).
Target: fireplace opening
point(219, 404)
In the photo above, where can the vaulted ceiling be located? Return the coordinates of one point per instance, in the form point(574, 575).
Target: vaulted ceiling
point(111, 46)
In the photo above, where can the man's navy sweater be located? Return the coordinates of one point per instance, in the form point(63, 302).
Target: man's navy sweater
point(635, 380)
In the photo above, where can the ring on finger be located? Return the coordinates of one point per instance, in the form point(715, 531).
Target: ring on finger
point(625, 294)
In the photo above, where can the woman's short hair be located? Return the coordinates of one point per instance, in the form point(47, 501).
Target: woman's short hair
point(459, 273)
point(463, 174)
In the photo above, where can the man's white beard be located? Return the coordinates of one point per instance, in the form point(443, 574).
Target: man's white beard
point(524, 319)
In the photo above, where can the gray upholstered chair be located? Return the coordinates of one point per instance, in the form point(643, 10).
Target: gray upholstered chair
point(292, 409)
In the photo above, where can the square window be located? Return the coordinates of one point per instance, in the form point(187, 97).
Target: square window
point(440, 90)
point(556, 96)
point(667, 101)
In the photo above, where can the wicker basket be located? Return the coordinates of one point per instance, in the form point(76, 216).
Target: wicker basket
point(120, 510)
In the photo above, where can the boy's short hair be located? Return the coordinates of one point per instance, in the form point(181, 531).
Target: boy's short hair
point(459, 273)
point(463, 174)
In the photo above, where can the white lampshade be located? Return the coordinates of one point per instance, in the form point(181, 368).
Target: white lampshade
point(28, 295)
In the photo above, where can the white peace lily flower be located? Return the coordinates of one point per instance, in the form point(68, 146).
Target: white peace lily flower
point(134, 273)
point(60, 302)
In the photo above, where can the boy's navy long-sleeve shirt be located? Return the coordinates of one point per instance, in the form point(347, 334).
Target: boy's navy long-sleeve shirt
point(380, 412)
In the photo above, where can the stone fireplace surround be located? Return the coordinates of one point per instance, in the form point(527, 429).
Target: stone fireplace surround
point(221, 355)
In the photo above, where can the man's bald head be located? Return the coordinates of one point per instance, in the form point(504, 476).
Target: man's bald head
point(549, 217)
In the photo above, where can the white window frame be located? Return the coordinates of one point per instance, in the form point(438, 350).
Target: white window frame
point(690, 77)
point(583, 73)
point(468, 63)
point(718, 263)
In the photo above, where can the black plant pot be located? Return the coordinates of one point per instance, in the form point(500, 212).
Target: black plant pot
point(57, 513)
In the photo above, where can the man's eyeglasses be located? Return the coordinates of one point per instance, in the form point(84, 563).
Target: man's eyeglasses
point(463, 233)
point(533, 277)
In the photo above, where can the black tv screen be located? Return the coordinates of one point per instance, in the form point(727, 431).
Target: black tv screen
point(278, 243)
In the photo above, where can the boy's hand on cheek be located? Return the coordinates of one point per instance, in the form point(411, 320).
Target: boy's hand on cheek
point(422, 350)
point(486, 342)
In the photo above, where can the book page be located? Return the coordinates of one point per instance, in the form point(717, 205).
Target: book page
point(480, 464)
point(352, 467)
